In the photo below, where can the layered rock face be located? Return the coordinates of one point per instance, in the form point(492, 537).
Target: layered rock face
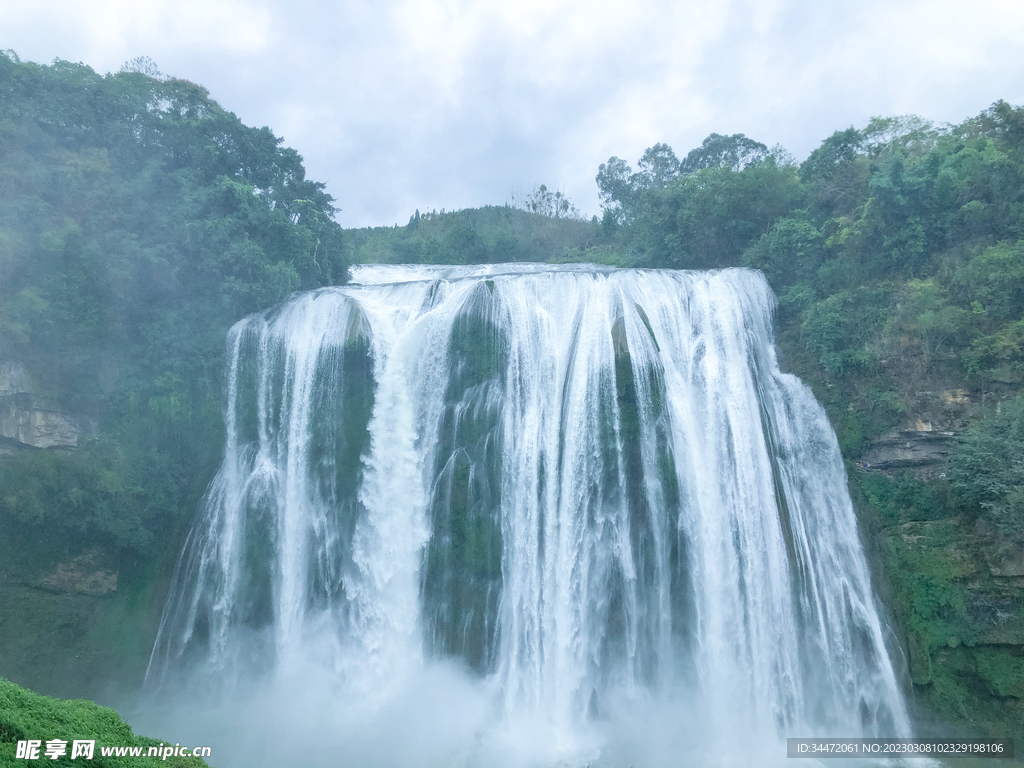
point(28, 418)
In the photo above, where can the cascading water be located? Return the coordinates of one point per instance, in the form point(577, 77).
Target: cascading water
point(592, 487)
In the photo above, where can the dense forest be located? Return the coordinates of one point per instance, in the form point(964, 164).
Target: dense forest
point(139, 220)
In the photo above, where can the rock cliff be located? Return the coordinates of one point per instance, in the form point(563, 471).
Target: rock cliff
point(27, 418)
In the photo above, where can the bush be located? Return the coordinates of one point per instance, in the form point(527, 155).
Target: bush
point(987, 466)
point(86, 493)
point(26, 715)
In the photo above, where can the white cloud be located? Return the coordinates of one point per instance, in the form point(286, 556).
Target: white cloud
point(419, 104)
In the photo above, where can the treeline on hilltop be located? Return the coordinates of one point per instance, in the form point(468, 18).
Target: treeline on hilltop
point(542, 225)
point(138, 221)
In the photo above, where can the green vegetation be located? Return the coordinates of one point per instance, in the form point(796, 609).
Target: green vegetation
point(989, 473)
point(963, 624)
point(26, 715)
point(488, 235)
point(139, 220)
point(897, 255)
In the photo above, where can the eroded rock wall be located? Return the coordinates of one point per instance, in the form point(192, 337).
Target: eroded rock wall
point(27, 418)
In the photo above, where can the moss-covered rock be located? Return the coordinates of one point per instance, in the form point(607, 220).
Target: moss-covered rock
point(963, 622)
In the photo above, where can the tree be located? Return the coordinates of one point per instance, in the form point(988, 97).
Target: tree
point(624, 192)
point(708, 218)
point(717, 151)
point(620, 189)
point(658, 167)
point(788, 254)
point(616, 190)
point(831, 170)
point(544, 202)
point(144, 66)
point(138, 221)
point(986, 467)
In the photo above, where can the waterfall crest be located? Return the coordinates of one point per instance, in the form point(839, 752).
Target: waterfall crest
point(589, 486)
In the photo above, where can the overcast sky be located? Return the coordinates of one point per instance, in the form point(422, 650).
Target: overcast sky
point(405, 104)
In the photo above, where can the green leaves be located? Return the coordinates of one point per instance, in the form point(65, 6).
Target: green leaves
point(27, 715)
point(87, 494)
point(789, 253)
point(138, 221)
point(735, 152)
point(708, 218)
point(492, 234)
point(986, 467)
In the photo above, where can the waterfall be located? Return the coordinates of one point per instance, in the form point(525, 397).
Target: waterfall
point(590, 489)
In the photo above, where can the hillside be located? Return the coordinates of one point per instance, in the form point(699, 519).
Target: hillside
point(26, 716)
point(138, 221)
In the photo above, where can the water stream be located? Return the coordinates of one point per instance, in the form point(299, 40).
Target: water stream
point(535, 515)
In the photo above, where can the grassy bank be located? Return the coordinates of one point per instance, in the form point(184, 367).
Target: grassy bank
point(25, 716)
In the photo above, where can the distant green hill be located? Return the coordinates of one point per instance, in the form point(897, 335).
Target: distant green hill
point(488, 235)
